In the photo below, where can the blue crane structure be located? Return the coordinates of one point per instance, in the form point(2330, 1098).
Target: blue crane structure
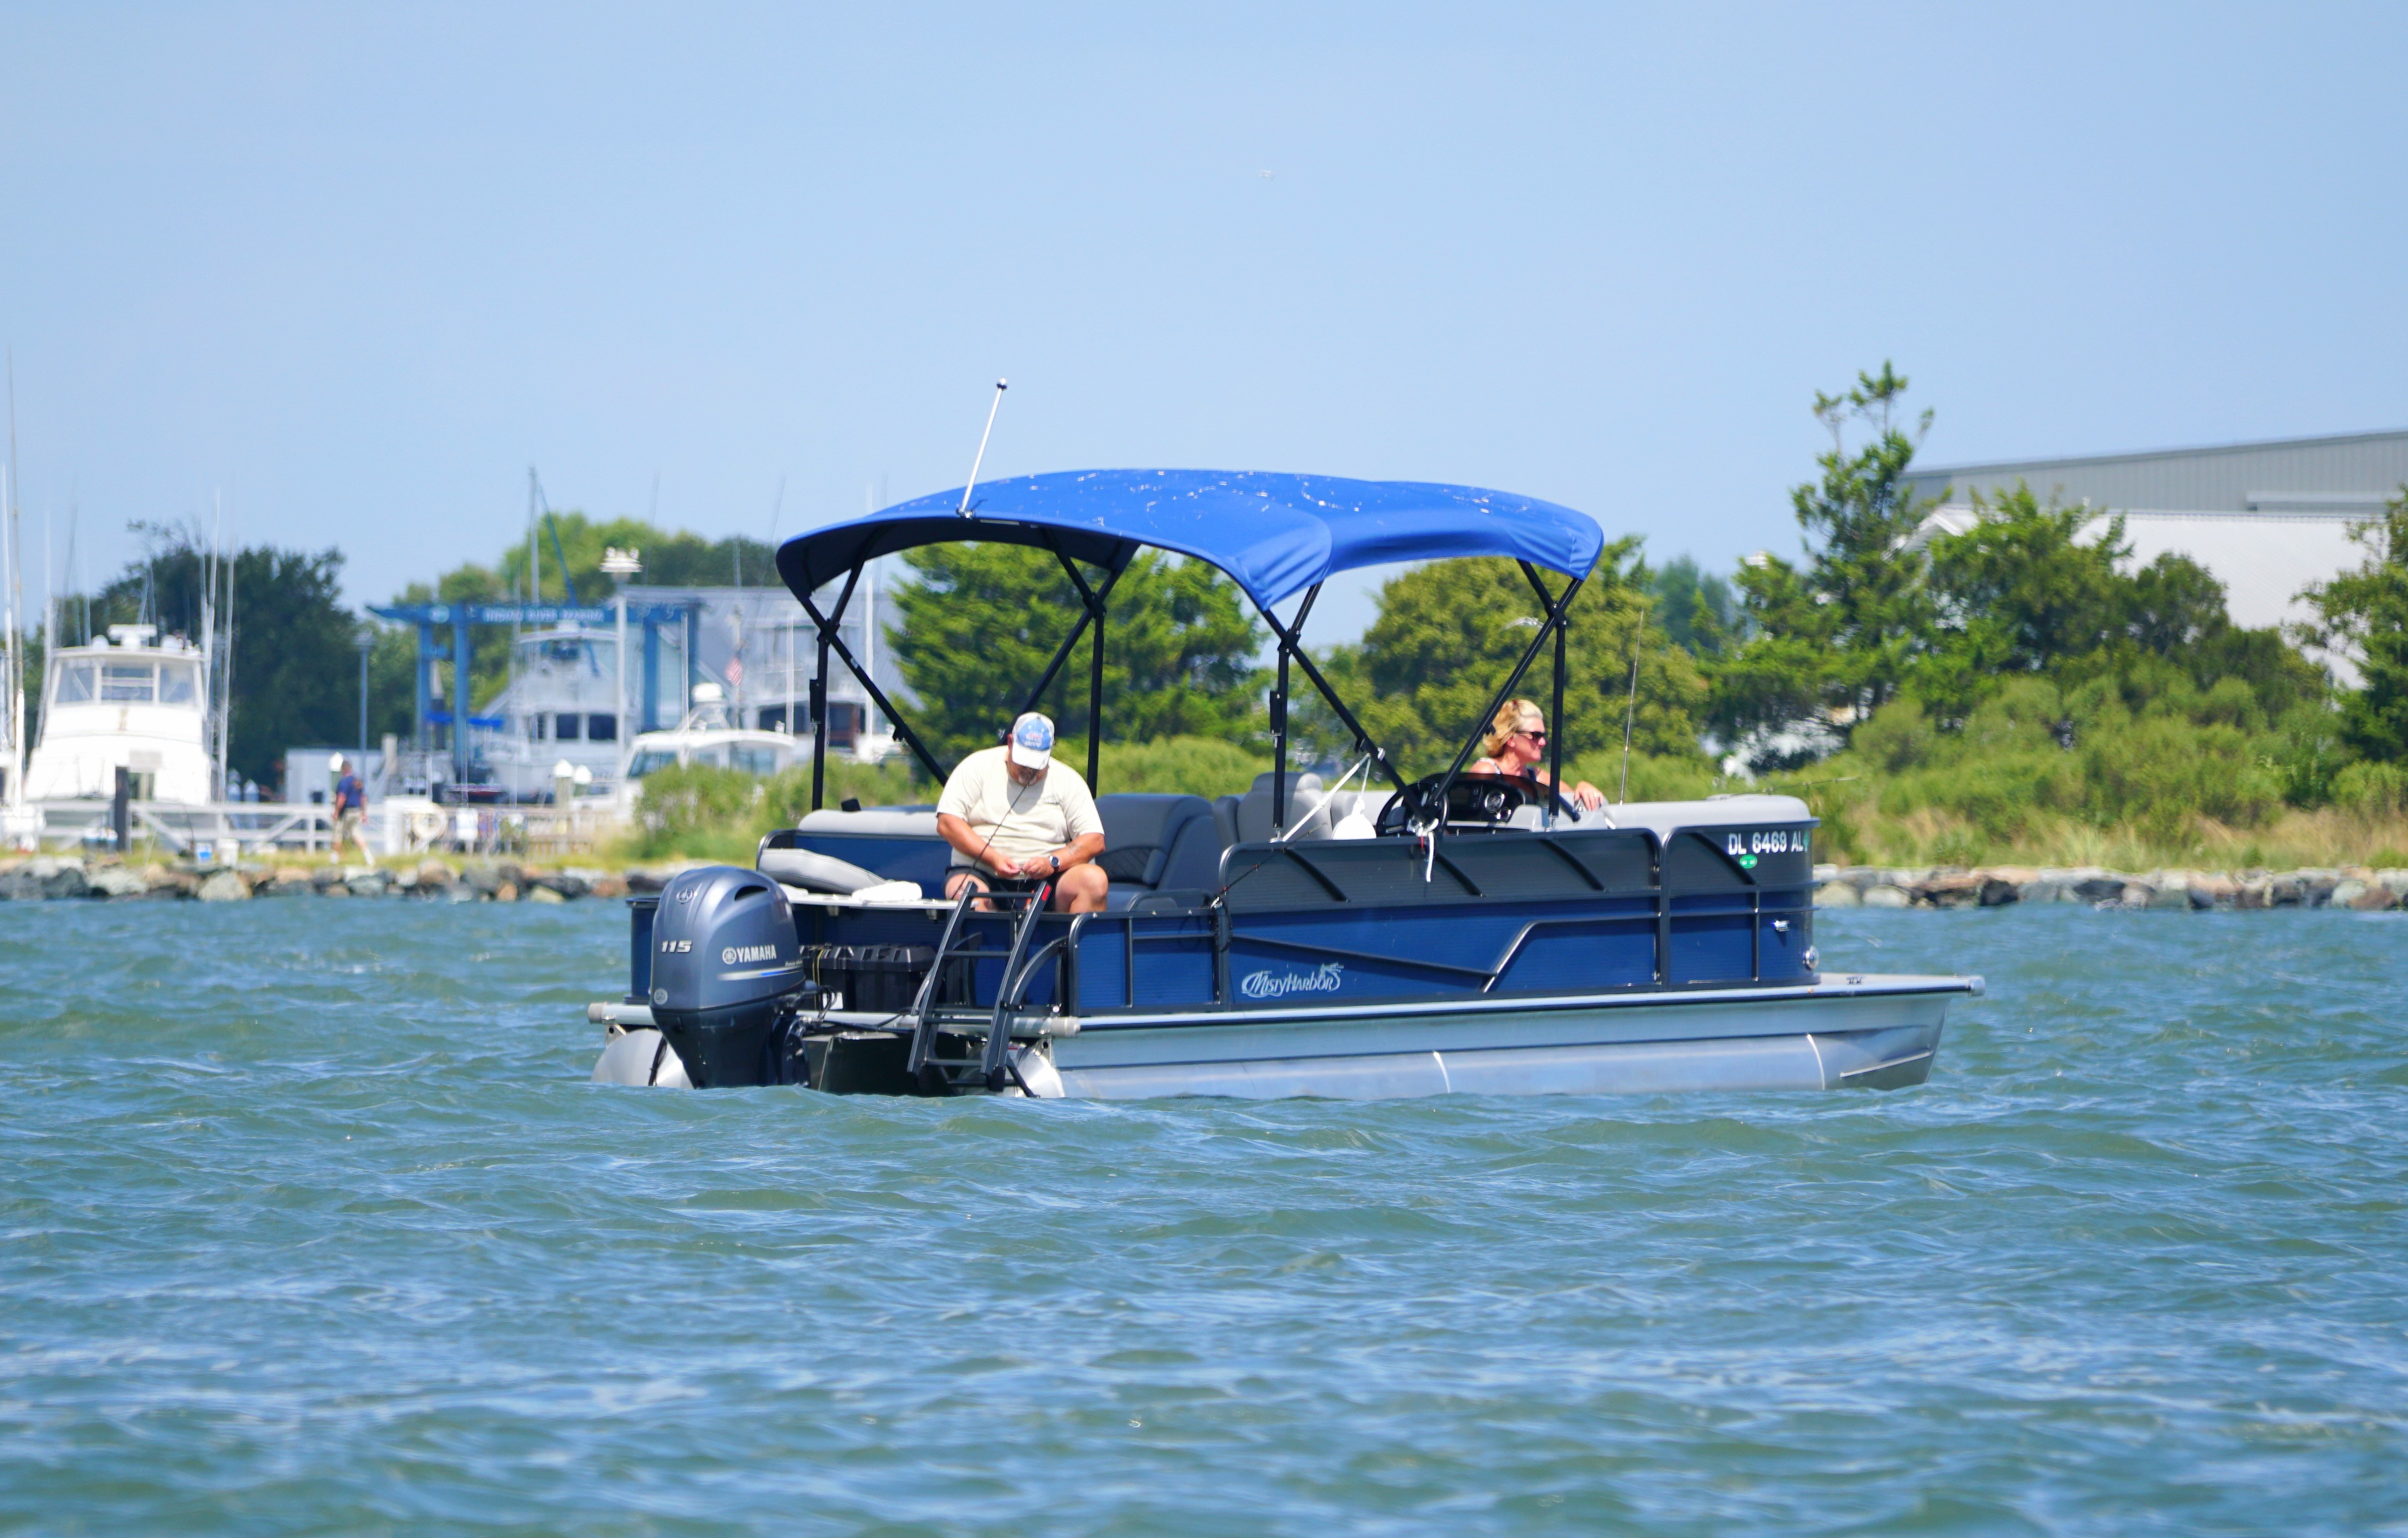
point(433, 618)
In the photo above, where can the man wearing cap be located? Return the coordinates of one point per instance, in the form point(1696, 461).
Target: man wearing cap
point(1017, 820)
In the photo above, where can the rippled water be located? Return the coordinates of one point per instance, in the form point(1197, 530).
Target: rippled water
point(311, 1223)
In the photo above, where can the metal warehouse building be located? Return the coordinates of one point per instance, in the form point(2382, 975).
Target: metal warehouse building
point(2266, 518)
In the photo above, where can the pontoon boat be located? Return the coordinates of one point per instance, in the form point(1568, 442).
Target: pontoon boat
point(1485, 937)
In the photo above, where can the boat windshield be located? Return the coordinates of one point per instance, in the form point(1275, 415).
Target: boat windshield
point(649, 760)
point(74, 683)
point(756, 759)
point(131, 681)
point(175, 684)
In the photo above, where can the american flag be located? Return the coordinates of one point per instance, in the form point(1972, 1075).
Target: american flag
point(734, 672)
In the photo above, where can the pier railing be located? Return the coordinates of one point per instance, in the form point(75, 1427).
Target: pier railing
point(224, 830)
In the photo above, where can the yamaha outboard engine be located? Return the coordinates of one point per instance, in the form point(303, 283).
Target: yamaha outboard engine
point(725, 966)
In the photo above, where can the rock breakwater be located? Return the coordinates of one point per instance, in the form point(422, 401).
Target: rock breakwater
point(47, 878)
point(2355, 889)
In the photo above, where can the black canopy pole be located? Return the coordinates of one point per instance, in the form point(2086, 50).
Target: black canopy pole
point(1096, 704)
point(818, 689)
point(1092, 602)
point(1556, 714)
point(878, 697)
point(1378, 755)
point(1556, 719)
point(1279, 716)
point(1529, 655)
point(1061, 655)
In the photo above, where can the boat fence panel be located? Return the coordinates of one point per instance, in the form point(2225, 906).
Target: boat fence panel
point(1499, 867)
point(1504, 914)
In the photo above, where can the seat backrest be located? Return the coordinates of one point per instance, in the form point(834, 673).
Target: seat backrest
point(1224, 817)
point(1254, 807)
point(1143, 833)
point(1194, 857)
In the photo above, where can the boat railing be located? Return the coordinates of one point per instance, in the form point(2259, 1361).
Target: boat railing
point(955, 948)
point(184, 825)
point(924, 1005)
point(1014, 984)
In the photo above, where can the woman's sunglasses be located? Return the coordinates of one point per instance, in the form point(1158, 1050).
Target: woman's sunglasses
point(1539, 735)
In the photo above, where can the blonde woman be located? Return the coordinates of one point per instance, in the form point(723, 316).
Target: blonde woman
point(1516, 744)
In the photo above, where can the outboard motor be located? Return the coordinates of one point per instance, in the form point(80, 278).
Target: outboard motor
point(725, 965)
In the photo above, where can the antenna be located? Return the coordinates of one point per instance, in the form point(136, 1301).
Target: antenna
point(1631, 710)
point(1000, 386)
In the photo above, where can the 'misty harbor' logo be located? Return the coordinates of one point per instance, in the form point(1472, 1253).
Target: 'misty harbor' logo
point(1271, 985)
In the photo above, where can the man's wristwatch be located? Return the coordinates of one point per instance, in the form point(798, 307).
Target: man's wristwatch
point(1057, 863)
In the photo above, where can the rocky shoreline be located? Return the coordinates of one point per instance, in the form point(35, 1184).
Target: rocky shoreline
point(69, 878)
point(2356, 888)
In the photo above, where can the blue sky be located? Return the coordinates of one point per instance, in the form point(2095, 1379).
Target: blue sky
point(355, 271)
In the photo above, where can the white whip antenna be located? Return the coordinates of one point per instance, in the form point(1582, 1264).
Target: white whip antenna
point(1630, 710)
point(1000, 386)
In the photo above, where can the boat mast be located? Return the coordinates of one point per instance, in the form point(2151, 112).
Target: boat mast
point(15, 695)
point(15, 692)
point(209, 732)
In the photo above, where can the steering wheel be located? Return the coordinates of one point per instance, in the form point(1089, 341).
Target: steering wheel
point(1474, 800)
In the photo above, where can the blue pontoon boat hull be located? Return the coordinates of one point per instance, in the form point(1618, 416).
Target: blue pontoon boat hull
point(1672, 952)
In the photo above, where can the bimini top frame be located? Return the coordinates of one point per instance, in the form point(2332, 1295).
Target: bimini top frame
point(1276, 536)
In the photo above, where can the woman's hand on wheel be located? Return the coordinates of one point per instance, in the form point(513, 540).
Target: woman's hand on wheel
point(1587, 797)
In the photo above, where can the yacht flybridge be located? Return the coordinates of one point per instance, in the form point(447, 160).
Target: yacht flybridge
point(1474, 933)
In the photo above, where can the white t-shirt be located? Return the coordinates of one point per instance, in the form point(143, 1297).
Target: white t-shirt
point(1018, 822)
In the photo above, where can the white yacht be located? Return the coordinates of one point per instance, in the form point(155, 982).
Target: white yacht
point(130, 701)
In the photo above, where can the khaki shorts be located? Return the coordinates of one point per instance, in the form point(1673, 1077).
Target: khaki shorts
point(352, 820)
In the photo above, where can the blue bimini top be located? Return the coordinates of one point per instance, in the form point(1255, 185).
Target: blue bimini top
point(1276, 534)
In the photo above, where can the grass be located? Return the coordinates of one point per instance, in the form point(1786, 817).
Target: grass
point(2158, 795)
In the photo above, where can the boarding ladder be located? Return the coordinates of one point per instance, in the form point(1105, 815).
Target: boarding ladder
point(992, 1068)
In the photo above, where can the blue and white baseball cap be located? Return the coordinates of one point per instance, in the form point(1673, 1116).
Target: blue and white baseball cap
point(1032, 741)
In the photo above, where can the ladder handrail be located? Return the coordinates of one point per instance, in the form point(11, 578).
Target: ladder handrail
point(998, 1036)
point(924, 1032)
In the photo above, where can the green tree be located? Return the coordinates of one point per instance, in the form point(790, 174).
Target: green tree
point(2363, 614)
point(979, 621)
point(1448, 632)
point(1695, 609)
point(2025, 591)
point(1835, 639)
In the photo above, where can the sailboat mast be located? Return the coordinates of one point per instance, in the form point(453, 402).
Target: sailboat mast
point(14, 695)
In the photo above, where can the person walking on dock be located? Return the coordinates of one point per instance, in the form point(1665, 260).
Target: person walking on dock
point(351, 813)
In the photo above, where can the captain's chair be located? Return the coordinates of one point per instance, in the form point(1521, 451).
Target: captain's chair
point(1158, 843)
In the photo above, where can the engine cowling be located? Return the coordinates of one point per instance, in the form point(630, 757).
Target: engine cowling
point(725, 967)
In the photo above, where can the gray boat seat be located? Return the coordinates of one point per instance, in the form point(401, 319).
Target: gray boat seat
point(892, 843)
point(1224, 817)
point(1152, 841)
point(1255, 808)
